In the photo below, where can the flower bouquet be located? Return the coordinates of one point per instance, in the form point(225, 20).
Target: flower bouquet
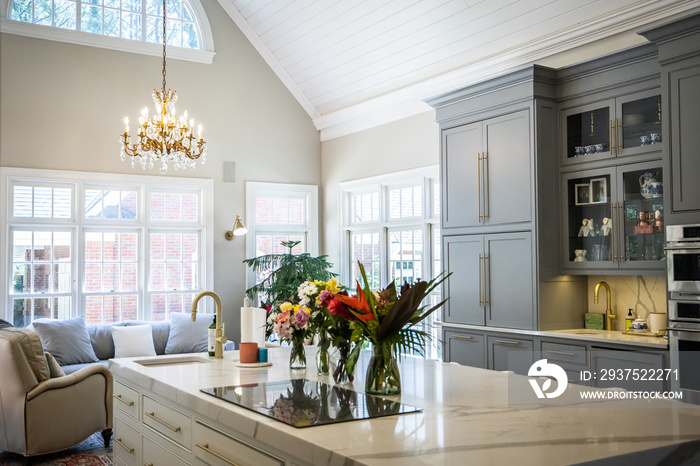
point(388, 320)
point(291, 322)
point(332, 329)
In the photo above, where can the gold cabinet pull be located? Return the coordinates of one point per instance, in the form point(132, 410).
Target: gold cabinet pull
point(619, 243)
point(617, 136)
point(508, 342)
point(486, 258)
point(153, 416)
point(466, 337)
point(206, 448)
point(481, 301)
point(612, 127)
point(612, 231)
point(561, 352)
point(128, 450)
point(484, 161)
point(147, 464)
point(123, 400)
point(478, 183)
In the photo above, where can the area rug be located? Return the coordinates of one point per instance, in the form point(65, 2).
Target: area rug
point(91, 452)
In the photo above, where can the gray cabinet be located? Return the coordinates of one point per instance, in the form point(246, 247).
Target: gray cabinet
point(465, 348)
point(492, 281)
point(510, 354)
point(631, 370)
point(486, 172)
point(613, 220)
point(679, 57)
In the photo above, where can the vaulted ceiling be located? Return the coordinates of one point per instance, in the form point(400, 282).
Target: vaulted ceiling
point(354, 64)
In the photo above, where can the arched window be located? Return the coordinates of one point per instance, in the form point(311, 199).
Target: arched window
point(138, 20)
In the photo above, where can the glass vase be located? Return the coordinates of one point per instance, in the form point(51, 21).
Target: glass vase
point(323, 362)
point(297, 358)
point(338, 363)
point(383, 376)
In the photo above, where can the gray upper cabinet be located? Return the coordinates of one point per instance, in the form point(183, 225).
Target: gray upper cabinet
point(486, 172)
point(679, 57)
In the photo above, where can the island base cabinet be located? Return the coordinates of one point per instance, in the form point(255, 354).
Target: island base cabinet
point(467, 349)
point(510, 354)
point(157, 455)
point(127, 443)
point(215, 448)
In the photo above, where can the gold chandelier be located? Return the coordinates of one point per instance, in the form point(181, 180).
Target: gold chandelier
point(163, 137)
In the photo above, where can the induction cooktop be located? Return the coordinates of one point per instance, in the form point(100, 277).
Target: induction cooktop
point(306, 403)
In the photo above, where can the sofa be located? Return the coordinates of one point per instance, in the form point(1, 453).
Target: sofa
point(76, 345)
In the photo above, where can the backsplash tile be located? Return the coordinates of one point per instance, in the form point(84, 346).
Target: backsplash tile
point(642, 294)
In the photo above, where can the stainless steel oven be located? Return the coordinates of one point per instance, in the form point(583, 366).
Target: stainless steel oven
point(683, 258)
point(683, 275)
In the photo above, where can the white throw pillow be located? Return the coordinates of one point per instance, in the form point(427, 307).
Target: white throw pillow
point(133, 341)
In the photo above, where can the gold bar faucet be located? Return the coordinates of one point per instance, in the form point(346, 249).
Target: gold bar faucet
point(609, 316)
point(220, 336)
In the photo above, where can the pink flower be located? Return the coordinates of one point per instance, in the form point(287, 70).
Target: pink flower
point(325, 297)
point(301, 317)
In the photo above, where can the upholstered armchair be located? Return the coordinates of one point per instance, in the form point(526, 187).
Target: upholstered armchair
point(40, 414)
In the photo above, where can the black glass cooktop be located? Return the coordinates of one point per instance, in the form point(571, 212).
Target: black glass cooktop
point(305, 403)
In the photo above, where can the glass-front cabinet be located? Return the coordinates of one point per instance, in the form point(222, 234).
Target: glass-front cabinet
point(626, 125)
point(613, 219)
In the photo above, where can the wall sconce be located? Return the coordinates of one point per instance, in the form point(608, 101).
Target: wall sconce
point(238, 229)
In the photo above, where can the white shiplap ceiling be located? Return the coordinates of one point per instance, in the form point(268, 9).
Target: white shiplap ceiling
point(354, 64)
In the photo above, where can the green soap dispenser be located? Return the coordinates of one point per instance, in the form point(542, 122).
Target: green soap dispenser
point(629, 319)
point(211, 340)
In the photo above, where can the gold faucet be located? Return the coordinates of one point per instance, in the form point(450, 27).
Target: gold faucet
point(220, 336)
point(609, 316)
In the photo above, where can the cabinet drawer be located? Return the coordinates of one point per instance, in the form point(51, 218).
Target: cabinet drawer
point(467, 349)
point(156, 455)
point(168, 421)
point(127, 443)
point(510, 354)
point(126, 400)
point(565, 353)
point(218, 449)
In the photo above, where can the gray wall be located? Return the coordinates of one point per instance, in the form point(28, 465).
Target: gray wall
point(401, 145)
point(62, 107)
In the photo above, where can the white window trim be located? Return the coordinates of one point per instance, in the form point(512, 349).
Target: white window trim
point(253, 188)
point(203, 55)
point(383, 183)
point(8, 176)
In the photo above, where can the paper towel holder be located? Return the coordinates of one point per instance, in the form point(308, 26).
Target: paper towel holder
point(238, 229)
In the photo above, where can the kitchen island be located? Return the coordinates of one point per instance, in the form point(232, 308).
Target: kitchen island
point(467, 418)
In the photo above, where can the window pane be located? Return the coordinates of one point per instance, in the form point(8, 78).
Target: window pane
point(131, 25)
point(64, 14)
point(22, 10)
point(280, 210)
point(41, 278)
point(42, 308)
point(42, 246)
point(21, 312)
point(174, 207)
point(93, 247)
point(21, 281)
point(365, 249)
point(263, 210)
point(108, 3)
point(190, 247)
point(61, 278)
point(93, 203)
point(296, 211)
point(42, 12)
point(111, 24)
point(132, 5)
point(157, 276)
point(189, 36)
point(43, 202)
point(157, 246)
point(22, 201)
point(189, 276)
point(128, 205)
point(174, 304)
point(394, 203)
point(110, 247)
point(93, 277)
point(190, 207)
point(128, 247)
point(174, 276)
point(62, 203)
point(154, 33)
point(93, 310)
point(436, 199)
point(22, 246)
point(157, 206)
point(110, 278)
point(174, 33)
point(174, 244)
point(154, 7)
point(130, 306)
point(158, 303)
point(173, 8)
point(110, 202)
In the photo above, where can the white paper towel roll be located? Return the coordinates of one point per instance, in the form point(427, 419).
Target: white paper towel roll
point(253, 323)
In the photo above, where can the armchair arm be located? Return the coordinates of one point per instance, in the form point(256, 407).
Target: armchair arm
point(72, 379)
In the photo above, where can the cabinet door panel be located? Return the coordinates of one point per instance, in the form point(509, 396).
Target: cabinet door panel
point(617, 369)
point(461, 255)
point(510, 354)
point(460, 195)
point(507, 167)
point(685, 163)
point(467, 349)
point(510, 281)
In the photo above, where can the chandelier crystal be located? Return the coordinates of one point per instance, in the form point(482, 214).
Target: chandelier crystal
point(164, 138)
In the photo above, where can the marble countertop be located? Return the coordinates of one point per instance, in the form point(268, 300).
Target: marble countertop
point(470, 416)
point(586, 335)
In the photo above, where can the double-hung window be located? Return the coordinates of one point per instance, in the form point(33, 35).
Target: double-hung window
point(278, 213)
point(391, 225)
point(108, 247)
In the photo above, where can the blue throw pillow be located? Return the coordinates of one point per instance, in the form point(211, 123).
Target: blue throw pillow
point(67, 340)
point(187, 336)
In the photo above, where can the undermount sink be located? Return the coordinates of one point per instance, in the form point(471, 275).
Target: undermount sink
point(155, 362)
